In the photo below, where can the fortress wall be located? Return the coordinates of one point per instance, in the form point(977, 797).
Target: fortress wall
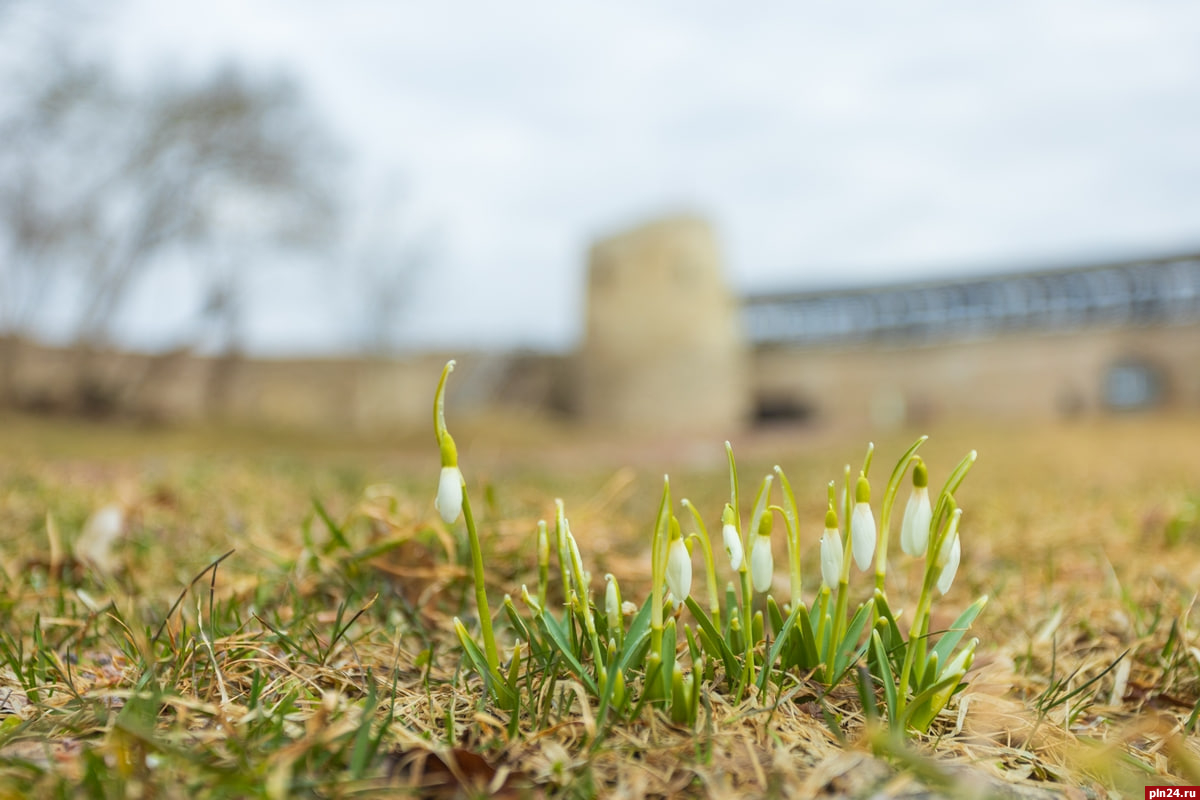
point(1014, 376)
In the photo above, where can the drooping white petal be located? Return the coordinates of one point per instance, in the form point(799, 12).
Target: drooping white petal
point(679, 570)
point(733, 546)
point(449, 495)
point(862, 535)
point(946, 579)
point(831, 557)
point(914, 531)
point(762, 563)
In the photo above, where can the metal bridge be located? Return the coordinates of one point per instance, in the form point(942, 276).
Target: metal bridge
point(1132, 293)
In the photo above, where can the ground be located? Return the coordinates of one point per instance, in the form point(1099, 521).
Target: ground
point(274, 617)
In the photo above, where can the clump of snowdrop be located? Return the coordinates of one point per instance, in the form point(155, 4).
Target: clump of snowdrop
point(628, 657)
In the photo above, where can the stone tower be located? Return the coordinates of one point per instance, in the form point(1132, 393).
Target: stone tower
point(664, 349)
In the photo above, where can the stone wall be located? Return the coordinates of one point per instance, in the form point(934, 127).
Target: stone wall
point(338, 394)
point(664, 352)
point(1013, 376)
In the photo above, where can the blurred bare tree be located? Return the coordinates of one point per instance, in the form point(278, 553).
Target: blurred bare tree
point(386, 258)
point(99, 183)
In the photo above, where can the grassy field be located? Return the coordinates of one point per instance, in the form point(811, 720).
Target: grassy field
point(274, 617)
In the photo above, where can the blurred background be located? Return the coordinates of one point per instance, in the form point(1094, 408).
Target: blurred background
point(683, 218)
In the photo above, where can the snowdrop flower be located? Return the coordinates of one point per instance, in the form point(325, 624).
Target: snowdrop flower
point(949, 554)
point(918, 514)
point(679, 569)
point(762, 562)
point(862, 525)
point(831, 551)
point(733, 539)
point(946, 579)
point(449, 500)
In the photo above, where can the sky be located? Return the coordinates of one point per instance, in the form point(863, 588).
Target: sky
point(829, 144)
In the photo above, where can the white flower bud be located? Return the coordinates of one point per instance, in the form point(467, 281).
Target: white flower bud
point(612, 605)
point(733, 546)
point(679, 570)
point(449, 499)
point(762, 563)
point(918, 514)
point(831, 557)
point(946, 579)
point(862, 535)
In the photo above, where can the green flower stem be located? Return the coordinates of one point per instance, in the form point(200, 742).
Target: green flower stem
point(658, 569)
point(842, 601)
point(920, 624)
point(564, 551)
point(866, 469)
point(846, 515)
point(481, 601)
point(748, 632)
point(710, 567)
point(543, 549)
point(583, 607)
point(918, 629)
point(838, 623)
point(822, 612)
point(792, 518)
point(733, 487)
point(439, 403)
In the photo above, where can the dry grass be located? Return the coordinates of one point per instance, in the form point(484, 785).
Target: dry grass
point(318, 660)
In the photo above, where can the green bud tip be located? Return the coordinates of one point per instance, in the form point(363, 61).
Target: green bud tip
point(920, 475)
point(765, 523)
point(449, 450)
point(831, 521)
point(727, 517)
point(862, 490)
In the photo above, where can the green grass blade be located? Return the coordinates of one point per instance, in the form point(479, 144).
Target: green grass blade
point(715, 643)
point(496, 684)
point(781, 641)
point(337, 536)
point(559, 639)
point(892, 639)
point(849, 645)
point(881, 667)
point(957, 630)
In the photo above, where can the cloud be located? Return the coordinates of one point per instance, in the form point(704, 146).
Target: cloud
point(868, 138)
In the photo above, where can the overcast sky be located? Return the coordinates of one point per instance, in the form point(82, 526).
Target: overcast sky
point(829, 143)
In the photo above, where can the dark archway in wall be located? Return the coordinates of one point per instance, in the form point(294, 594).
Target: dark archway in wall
point(782, 409)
